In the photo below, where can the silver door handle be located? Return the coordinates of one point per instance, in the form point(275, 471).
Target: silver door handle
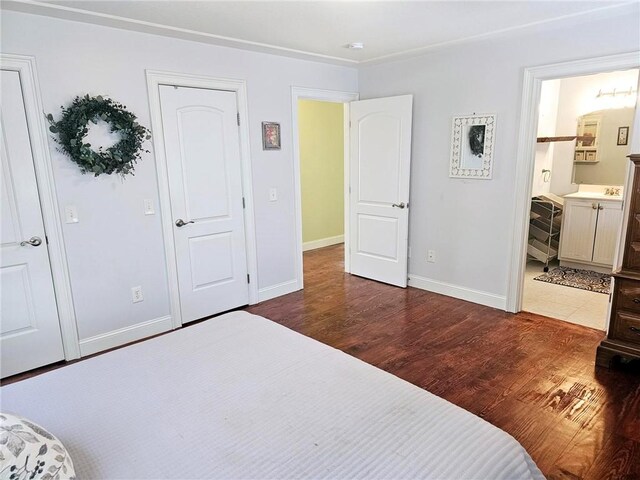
point(398, 205)
point(182, 223)
point(33, 241)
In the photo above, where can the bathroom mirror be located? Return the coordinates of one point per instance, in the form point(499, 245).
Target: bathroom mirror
point(601, 150)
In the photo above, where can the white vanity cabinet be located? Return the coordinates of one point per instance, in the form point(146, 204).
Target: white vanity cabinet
point(589, 231)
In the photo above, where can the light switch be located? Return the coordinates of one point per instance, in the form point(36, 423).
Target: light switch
point(71, 214)
point(273, 194)
point(148, 207)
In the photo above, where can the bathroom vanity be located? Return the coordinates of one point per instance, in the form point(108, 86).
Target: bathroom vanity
point(590, 227)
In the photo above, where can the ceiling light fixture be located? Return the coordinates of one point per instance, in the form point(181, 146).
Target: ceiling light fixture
point(356, 46)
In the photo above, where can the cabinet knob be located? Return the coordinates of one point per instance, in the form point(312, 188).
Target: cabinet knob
point(594, 206)
point(636, 300)
point(635, 330)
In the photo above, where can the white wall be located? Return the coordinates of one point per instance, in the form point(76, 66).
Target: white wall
point(115, 246)
point(577, 97)
point(547, 116)
point(469, 222)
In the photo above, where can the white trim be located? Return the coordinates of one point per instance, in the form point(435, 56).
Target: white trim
point(299, 93)
point(26, 68)
point(277, 290)
point(154, 80)
point(122, 336)
point(525, 157)
point(322, 242)
point(115, 21)
point(464, 293)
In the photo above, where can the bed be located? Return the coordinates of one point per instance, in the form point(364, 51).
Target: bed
point(239, 396)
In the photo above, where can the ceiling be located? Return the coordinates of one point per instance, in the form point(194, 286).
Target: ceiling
point(320, 29)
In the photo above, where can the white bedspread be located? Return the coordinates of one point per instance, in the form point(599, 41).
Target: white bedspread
point(239, 396)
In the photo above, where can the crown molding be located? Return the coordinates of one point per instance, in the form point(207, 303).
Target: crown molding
point(104, 19)
point(565, 20)
point(80, 15)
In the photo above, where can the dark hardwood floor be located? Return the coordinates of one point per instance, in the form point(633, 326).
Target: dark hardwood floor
point(532, 376)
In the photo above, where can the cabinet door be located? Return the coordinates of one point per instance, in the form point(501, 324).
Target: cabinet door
point(607, 230)
point(578, 230)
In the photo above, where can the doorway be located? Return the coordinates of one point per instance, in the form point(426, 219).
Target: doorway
point(202, 152)
point(573, 220)
point(315, 112)
point(38, 324)
point(321, 142)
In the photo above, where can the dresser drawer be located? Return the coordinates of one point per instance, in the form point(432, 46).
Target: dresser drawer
point(627, 295)
point(626, 326)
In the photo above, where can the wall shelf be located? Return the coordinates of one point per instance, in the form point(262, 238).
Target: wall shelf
point(567, 138)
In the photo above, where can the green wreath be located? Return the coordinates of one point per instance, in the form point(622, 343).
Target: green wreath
point(73, 127)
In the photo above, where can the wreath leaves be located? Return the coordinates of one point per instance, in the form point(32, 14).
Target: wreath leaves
point(72, 127)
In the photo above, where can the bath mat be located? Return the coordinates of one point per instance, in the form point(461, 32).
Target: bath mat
point(576, 278)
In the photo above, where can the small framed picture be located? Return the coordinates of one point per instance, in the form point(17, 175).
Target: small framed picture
point(271, 136)
point(623, 135)
point(579, 156)
point(472, 139)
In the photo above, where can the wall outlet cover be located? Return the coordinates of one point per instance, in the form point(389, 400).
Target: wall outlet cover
point(431, 256)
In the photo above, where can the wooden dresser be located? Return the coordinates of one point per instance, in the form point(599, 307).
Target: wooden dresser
point(623, 339)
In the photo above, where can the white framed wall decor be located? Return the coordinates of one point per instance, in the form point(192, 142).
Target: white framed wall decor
point(472, 140)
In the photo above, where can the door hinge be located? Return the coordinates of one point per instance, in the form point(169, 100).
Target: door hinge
point(46, 239)
point(243, 204)
point(248, 278)
point(238, 118)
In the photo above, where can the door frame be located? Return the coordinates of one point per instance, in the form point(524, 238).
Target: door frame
point(525, 158)
point(155, 78)
point(27, 70)
point(333, 96)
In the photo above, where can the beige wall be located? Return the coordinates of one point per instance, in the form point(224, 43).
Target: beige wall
point(321, 134)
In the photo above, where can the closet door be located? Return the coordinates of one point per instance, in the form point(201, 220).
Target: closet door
point(30, 330)
point(202, 149)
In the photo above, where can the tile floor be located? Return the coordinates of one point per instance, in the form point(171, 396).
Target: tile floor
point(565, 303)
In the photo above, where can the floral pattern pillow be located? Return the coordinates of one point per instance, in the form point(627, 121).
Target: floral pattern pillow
point(29, 452)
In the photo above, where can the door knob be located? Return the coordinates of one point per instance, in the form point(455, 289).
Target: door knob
point(33, 241)
point(182, 223)
point(398, 205)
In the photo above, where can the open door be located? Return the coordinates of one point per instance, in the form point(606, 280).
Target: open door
point(380, 140)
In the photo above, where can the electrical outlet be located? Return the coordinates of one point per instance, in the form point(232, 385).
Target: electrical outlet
point(136, 294)
point(71, 214)
point(431, 256)
point(273, 195)
point(148, 207)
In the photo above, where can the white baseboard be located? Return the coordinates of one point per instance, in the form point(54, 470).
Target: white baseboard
point(278, 290)
point(108, 340)
point(323, 242)
point(475, 296)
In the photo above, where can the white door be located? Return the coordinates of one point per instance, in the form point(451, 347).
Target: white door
point(380, 159)
point(29, 328)
point(578, 230)
point(202, 149)
point(607, 230)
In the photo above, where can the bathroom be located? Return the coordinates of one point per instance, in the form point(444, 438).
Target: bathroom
point(581, 168)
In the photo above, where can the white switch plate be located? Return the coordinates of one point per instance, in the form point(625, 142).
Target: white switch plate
point(71, 214)
point(273, 194)
point(136, 294)
point(431, 256)
point(148, 207)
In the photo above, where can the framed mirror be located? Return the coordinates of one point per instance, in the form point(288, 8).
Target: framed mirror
point(599, 159)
